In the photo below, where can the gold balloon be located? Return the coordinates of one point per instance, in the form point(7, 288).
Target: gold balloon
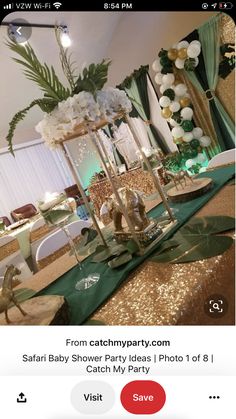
point(172, 54)
point(185, 101)
point(177, 140)
point(182, 53)
point(166, 113)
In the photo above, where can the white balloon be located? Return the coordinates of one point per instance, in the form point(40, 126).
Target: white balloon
point(196, 61)
point(189, 163)
point(193, 51)
point(164, 101)
point(177, 132)
point(201, 158)
point(165, 87)
point(187, 113)
point(182, 44)
point(158, 78)
point(187, 137)
point(205, 141)
point(177, 98)
point(156, 65)
point(197, 133)
point(195, 43)
point(173, 123)
point(180, 89)
point(168, 79)
point(179, 63)
point(174, 106)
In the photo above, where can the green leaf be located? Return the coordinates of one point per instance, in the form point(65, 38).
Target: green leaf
point(68, 66)
point(120, 260)
point(41, 74)
point(109, 252)
point(131, 246)
point(45, 104)
point(197, 240)
point(93, 78)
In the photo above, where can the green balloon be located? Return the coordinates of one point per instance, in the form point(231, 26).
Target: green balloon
point(189, 153)
point(166, 70)
point(190, 64)
point(164, 60)
point(176, 117)
point(195, 143)
point(169, 93)
point(187, 126)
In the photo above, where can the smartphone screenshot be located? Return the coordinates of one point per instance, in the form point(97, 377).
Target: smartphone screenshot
point(117, 210)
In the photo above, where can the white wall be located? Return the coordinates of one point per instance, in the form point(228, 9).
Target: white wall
point(139, 36)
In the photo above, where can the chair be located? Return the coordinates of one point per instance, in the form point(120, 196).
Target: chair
point(38, 232)
point(222, 158)
point(6, 221)
point(27, 211)
point(73, 192)
point(10, 254)
point(56, 245)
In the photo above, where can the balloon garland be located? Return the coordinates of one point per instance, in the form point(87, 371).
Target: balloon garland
point(176, 102)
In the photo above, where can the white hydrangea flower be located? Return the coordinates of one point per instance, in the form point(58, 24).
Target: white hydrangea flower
point(76, 109)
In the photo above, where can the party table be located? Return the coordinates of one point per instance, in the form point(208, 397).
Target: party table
point(154, 294)
point(22, 234)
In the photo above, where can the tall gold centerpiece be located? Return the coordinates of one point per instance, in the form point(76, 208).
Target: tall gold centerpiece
point(83, 109)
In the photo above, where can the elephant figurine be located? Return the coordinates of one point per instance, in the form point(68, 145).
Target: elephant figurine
point(134, 205)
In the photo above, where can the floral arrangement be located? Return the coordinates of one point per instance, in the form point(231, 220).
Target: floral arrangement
point(78, 108)
point(176, 103)
point(66, 107)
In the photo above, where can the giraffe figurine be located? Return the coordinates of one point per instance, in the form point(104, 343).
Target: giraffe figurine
point(178, 177)
point(7, 295)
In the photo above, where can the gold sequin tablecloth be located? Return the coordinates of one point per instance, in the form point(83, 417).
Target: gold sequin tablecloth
point(174, 294)
point(136, 179)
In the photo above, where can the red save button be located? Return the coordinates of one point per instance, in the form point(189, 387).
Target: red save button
point(143, 397)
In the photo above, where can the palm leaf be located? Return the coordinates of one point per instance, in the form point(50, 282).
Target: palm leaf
point(45, 104)
point(93, 78)
point(68, 66)
point(197, 240)
point(41, 74)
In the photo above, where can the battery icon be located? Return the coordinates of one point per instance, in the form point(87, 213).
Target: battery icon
point(226, 6)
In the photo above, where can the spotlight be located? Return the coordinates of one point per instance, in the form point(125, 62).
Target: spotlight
point(65, 38)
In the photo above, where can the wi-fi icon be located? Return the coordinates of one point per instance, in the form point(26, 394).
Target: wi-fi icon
point(57, 4)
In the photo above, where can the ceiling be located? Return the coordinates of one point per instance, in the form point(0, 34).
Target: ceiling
point(91, 33)
point(129, 39)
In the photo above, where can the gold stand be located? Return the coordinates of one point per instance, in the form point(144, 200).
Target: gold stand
point(114, 188)
point(86, 202)
point(92, 130)
point(156, 182)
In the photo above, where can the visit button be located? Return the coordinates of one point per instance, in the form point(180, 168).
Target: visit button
point(143, 397)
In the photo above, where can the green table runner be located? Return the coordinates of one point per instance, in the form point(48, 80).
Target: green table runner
point(83, 303)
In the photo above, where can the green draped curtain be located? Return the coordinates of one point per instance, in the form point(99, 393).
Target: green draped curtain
point(137, 90)
point(119, 159)
point(205, 78)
